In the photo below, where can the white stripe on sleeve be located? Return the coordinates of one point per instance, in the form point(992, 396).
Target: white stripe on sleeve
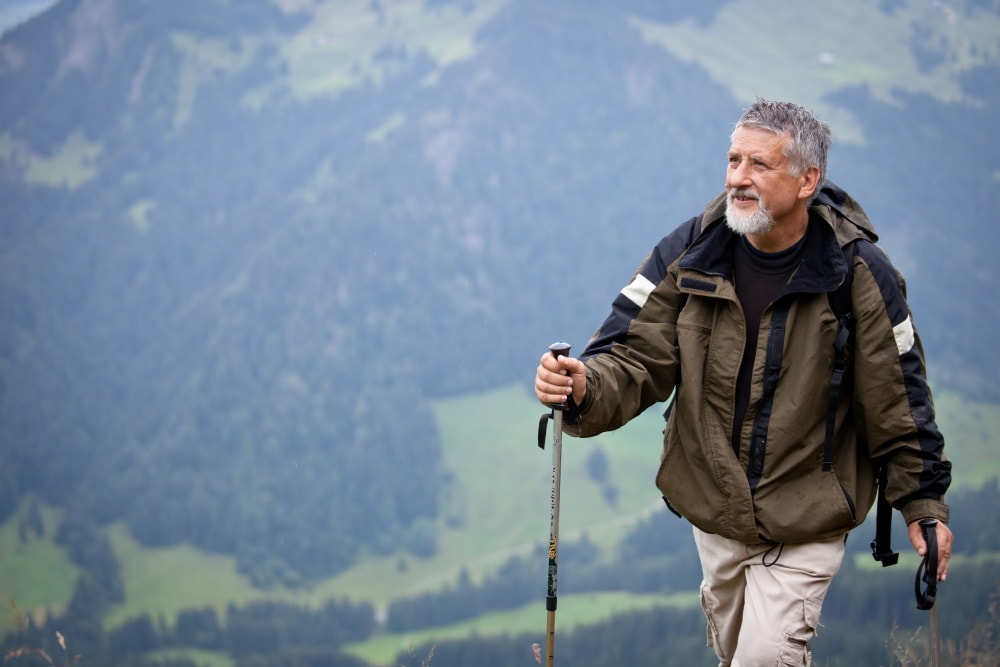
point(904, 336)
point(638, 290)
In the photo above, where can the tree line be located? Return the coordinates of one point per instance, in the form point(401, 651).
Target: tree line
point(658, 556)
point(250, 369)
point(869, 606)
point(263, 634)
point(859, 626)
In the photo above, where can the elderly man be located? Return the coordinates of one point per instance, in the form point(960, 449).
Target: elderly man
point(772, 435)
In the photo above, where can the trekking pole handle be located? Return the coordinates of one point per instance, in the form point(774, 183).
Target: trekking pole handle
point(927, 570)
point(559, 350)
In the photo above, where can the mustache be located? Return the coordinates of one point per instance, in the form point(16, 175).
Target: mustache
point(745, 193)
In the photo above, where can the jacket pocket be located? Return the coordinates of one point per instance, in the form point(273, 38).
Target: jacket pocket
point(810, 507)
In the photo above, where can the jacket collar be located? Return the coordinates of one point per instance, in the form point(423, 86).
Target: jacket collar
point(832, 203)
point(843, 213)
point(822, 267)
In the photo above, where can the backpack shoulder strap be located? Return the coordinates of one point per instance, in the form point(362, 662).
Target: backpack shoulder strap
point(696, 230)
point(840, 304)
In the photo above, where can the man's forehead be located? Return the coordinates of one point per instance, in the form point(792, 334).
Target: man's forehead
point(750, 140)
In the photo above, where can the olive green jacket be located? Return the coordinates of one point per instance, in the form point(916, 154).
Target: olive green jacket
point(678, 329)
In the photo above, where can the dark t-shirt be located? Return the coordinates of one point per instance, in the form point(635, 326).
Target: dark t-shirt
point(758, 277)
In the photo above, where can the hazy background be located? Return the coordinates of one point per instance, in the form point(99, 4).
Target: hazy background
point(275, 276)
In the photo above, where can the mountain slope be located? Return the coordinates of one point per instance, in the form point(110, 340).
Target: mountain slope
point(244, 244)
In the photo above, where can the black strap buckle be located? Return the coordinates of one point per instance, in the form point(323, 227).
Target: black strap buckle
point(882, 544)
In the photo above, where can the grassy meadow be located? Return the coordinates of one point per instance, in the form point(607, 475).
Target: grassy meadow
point(808, 65)
point(497, 503)
point(35, 574)
point(529, 619)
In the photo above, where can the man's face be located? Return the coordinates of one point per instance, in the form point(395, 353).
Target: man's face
point(761, 189)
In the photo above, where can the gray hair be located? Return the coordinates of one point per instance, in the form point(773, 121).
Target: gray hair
point(811, 137)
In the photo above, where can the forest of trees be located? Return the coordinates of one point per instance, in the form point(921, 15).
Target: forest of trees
point(255, 357)
point(874, 607)
point(261, 350)
point(230, 335)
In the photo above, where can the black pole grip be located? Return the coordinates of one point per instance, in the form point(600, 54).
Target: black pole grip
point(927, 570)
point(559, 350)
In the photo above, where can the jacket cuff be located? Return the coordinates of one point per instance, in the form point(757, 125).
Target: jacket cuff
point(925, 509)
point(571, 415)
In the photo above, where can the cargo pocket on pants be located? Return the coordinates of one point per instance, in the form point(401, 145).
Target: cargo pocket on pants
point(795, 647)
point(708, 605)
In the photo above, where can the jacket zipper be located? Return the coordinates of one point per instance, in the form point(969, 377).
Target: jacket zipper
point(772, 371)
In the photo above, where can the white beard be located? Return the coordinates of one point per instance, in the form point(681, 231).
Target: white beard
point(758, 222)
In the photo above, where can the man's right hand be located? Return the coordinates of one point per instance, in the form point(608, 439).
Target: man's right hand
point(558, 377)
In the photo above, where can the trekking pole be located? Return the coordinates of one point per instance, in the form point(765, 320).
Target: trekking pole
point(557, 350)
point(927, 572)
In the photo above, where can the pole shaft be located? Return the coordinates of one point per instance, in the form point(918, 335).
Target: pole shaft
point(553, 578)
point(935, 637)
point(554, 515)
point(550, 639)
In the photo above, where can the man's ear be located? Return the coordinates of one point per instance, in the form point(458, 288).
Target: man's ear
point(810, 183)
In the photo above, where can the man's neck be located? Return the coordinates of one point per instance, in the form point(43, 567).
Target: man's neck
point(784, 234)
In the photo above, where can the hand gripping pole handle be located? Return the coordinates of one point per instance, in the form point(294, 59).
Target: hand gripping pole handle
point(927, 570)
point(927, 595)
point(557, 350)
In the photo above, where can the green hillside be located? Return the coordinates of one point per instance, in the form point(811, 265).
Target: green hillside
point(478, 533)
point(528, 621)
point(35, 573)
point(919, 49)
point(491, 439)
point(275, 275)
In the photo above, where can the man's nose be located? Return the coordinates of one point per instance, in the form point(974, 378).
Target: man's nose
point(738, 175)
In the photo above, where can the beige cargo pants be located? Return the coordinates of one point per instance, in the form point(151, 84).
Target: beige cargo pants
point(762, 601)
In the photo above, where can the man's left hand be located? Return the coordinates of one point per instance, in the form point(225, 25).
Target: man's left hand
point(944, 540)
